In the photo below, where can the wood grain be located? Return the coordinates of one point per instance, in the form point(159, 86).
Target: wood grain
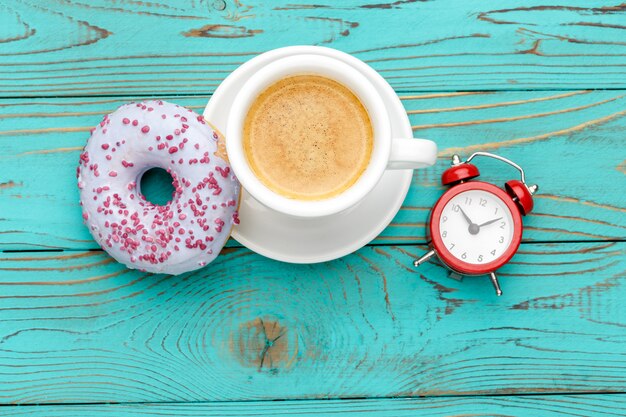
point(74, 48)
point(570, 143)
point(78, 327)
point(521, 406)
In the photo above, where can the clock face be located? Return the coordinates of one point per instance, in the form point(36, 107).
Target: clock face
point(476, 227)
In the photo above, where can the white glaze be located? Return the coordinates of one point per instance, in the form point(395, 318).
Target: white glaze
point(186, 233)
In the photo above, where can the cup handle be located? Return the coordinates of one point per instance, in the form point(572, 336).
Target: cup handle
point(412, 153)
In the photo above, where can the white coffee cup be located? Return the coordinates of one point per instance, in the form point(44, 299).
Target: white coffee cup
point(387, 152)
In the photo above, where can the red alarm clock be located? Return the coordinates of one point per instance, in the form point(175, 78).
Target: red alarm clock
point(476, 227)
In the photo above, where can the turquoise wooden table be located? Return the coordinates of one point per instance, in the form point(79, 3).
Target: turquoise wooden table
point(540, 81)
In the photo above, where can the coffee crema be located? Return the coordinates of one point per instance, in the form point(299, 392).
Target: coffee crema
point(307, 137)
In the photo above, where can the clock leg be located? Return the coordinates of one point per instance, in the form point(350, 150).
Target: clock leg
point(496, 284)
point(455, 276)
point(424, 258)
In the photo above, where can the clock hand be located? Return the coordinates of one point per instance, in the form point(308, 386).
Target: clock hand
point(489, 222)
point(473, 228)
point(466, 216)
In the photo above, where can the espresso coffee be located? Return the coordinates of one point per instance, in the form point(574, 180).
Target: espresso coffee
point(307, 137)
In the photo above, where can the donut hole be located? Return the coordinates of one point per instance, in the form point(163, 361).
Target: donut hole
point(156, 186)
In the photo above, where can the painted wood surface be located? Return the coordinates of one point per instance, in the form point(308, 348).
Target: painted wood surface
point(165, 47)
point(75, 327)
point(522, 406)
point(564, 139)
point(78, 327)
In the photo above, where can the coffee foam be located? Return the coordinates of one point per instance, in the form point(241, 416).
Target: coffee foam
point(308, 137)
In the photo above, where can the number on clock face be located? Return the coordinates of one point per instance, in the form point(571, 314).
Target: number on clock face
point(476, 226)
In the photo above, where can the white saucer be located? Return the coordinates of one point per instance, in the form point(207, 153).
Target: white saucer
point(289, 239)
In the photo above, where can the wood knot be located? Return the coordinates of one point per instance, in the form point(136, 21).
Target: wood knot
point(219, 5)
point(263, 343)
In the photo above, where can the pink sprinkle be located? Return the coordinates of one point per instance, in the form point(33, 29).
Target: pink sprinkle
point(169, 137)
point(220, 223)
point(173, 149)
point(125, 120)
point(135, 122)
point(105, 146)
point(145, 129)
point(223, 171)
point(112, 174)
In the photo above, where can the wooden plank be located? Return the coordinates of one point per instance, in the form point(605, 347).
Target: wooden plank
point(168, 47)
point(545, 405)
point(570, 142)
point(78, 327)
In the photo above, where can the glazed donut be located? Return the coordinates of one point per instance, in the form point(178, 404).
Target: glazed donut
point(186, 233)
